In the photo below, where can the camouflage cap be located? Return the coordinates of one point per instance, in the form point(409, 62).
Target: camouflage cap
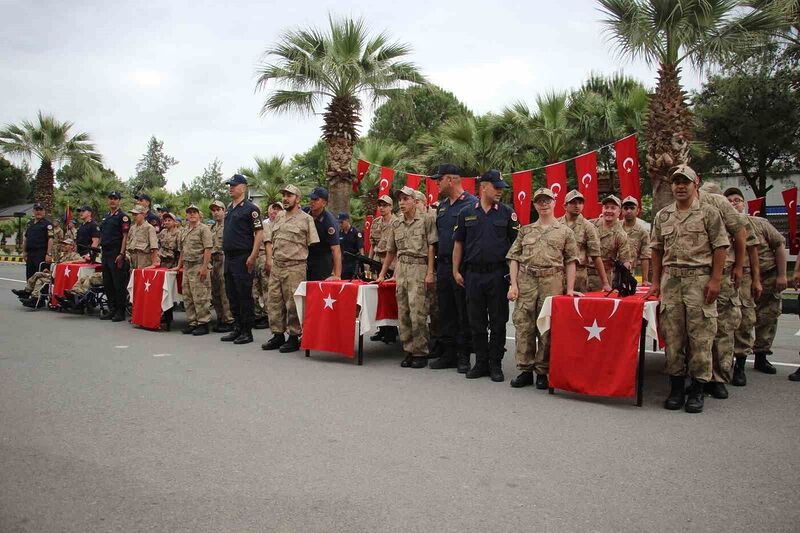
point(193, 207)
point(217, 203)
point(544, 191)
point(685, 171)
point(408, 191)
point(574, 194)
point(292, 189)
point(137, 210)
point(67, 241)
point(386, 199)
point(418, 195)
point(630, 200)
point(611, 199)
point(711, 187)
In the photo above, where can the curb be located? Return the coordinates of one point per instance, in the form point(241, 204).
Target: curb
point(11, 259)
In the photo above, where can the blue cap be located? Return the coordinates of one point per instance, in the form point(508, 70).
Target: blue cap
point(495, 178)
point(115, 194)
point(143, 196)
point(85, 207)
point(343, 216)
point(319, 192)
point(237, 179)
point(38, 205)
point(446, 169)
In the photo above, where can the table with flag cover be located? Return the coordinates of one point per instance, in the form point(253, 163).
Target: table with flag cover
point(152, 291)
point(66, 275)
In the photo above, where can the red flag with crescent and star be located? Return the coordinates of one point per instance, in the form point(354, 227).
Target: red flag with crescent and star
point(367, 227)
point(594, 345)
point(556, 176)
point(431, 190)
point(148, 291)
point(628, 168)
point(413, 180)
point(329, 323)
point(65, 277)
point(385, 184)
point(469, 185)
point(362, 167)
point(790, 200)
point(586, 170)
point(521, 185)
point(757, 207)
point(387, 301)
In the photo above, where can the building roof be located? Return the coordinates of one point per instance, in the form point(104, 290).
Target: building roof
point(9, 211)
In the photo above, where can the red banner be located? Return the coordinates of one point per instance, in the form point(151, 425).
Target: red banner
point(148, 290)
point(556, 176)
point(387, 301)
point(413, 180)
point(757, 207)
point(521, 185)
point(330, 312)
point(385, 184)
point(367, 227)
point(790, 200)
point(65, 276)
point(432, 190)
point(362, 167)
point(586, 170)
point(469, 185)
point(628, 168)
point(594, 345)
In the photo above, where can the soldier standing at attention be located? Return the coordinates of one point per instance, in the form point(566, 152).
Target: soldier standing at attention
point(325, 256)
point(379, 238)
point(689, 245)
point(88, 235)
point(638, 238)
point(219, 298)
point(38, 241)
point(113, 243)
point(168, 239)
point(587, 241)
point(436, 348)
point(150, 217)
point(58, 237)
point(350, 240)
point(195, 247)
point(411, 240)
point(613, 241)
point(142, 241)
point(540, 255)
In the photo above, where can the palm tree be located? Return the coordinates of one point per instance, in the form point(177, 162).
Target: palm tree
point(92, 190)
point(50, 141)
point(669, 32)
point(546, 130)
point(337, 69)
point(269, 176)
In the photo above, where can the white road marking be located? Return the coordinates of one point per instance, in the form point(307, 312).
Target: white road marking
point(9, 279)
point(161, 354)
point(121, 347)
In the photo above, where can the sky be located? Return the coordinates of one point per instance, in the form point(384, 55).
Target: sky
point(185, 71)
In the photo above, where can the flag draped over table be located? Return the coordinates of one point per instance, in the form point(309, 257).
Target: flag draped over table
point(628, 168)
point(556, 176)
point(362, 167)
point(594, 345)
point(387, 301)
point(432, 190)
point(757, 207)
point(469, 185)
point(586, 170)
point(64, 278)
point(367, 227)
point(790, 200)
point(413, 180)
point(385, 184)
point(521, 184)
point(148, 291)
point(329, 324)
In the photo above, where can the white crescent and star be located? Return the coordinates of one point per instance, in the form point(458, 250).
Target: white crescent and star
point(67, 271)
point(584, 180)
point(521, 196)
point(556, 188)
point(384, 184)
point(329, 302)
point(625, 164)
point(594, 331)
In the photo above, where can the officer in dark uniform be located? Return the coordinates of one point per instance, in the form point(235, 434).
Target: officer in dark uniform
point(150, 217)
point(453, 323)
point(38, 241)
point(241, 240)
point(113, 241)
point(88, 234)
point(324, 257)
point(483, 235)
point(350, 240)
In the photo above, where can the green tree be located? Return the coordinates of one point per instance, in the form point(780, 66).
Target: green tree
point(379, 153)
point(50, 141)
point(309, 167)
point(335, 68)
point(15, 185)
point(92, 189)
point(78, 168)
point(209, 185)
point(546, 130)
point(152, 167)
point(269, 176)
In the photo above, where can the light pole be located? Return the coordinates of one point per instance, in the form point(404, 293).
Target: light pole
point(20, 215)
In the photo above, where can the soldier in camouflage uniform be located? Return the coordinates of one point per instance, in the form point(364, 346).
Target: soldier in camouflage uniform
point(411, 239)
point(688, 243)
point(587, 241)
point(539, 257)
point(30, 295)
point(142, 245)
point(58, 238)
point(613, 241)
point(219, 298)
point(436, 348)
point(638, 238)
point(168, 239)
point(195, 247)
point(260, 276)
point(378, 238)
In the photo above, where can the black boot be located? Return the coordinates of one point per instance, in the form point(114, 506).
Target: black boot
point(390, 334)
point(762, 365)
point(448, 360)
point(419, 362)
point(462, 362)
point(406, 363)
point(677, 394)
point(694, 397)
point(261, 323)
point(496, 371)
point(30, 302)
point(275, 342)
point(717, 390)
point(378, 336)
point(22, 293)
point(245, 337)
point(739, 377)
point(119, 316)
point(524, 379)
point(107, 315)
point(202, 329)
point(291, 345)
point(542, 382)
point(233, 335)
point(481, 369)
point(795, 376)
point(188, 330)
point(222, 327)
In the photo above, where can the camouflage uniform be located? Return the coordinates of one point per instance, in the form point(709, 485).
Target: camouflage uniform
point(168, 246)
point(613, 245)
point(639, 243)
point(687, 241)
point(58, 236)
point(410, 240)
point(768, 306)
point(588, 247)
point(218, 296)
point(290, 238)
point(141, 241)
point(743, 337)
point(379, 237)
point(541, 251)
point(38, 280)
point(82, 286)
point(196, 291)
point(260, 284)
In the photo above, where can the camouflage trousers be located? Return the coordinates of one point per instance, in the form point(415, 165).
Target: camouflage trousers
point(283, 281)
point(688, 326)
point(533, 348)
point(219, 298)
point(743, 337)
point(581, 280)
point(169, 262)
point(196, 294)
point(83, 285)
point(260, 288)
point(768, 309)
point(412, 307)
point(140, 259)
point(729, 317)
point(36, 282)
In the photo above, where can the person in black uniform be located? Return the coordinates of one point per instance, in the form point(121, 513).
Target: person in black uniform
point(113, 241)
point(350, 240)
point(483, 235)
point(88, 234)
point(150, 217)
point(241, 240)
point(453, 324)
point(38, 243)
point(324, 257)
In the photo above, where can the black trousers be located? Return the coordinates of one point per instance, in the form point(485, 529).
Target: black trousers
point(239, 289)
point(115, 281)
point(487, 305)
point(35, 257)
point(453, 320)
point(319, 268)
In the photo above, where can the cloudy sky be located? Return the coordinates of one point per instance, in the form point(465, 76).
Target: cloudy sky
point(184, 71)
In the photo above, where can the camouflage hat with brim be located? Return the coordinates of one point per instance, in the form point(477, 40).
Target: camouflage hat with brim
point(67, 241)
point(573, 195)
point(543, 191)
point(408, 191)
point(386, 199)
point(192, 207)
point(217, 203)
point(418, 195)
point(137, 210)
point(611, 199)
point(711, 187)
point(685, 171)
point(630, 200)
point(292, 189)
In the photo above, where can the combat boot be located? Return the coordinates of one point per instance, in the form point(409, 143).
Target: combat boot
point(762, 365)
point(119, 316)
point(21, 293)
point(717, 390)
point(419, 362)
point(202, 329)
point(406, 362)
point(462, 362)
point(481, 369)
point(448, 360)
point(222, 327)
point(378, 336)
point(496, 371)
point(261, 323)
point(542, 382)
point(245, 337)
point(795, 376)
point(233, 335)
point(524, 379)
point(677, 395)
point(188, 330)
point(292, 345)
point(390, 334)
point(739, 378)
point(275, 342)
point(695, 398)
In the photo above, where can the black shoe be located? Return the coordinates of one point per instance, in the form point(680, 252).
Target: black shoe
point(762, 365)
point(739, 378)
point(202, 329)
point(118, 317)
point(378, 336)
point(694, 397)
point(443, 362)
point(496, 372)
point(261, 323)
point(419, 362)
point(275, 342)
point(542, 382)
point(677, 394)
point(524, 379)
point(22, 293)
point(390, 336)
point(718, 390)
point(463, 362)
point(795, 376)
point(232, 336)
point(188, 330)
point(406, 363)
point(245, 337)
point(30, 302)
point(291, 345)
point(222, 328)
point(106, 315)
point(480, 370)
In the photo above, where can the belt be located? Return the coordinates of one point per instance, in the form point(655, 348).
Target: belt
point(607, 264)
point(139, 252)
point(680, 272)
point(218, 255)
point(285, 263)
point(485, 267)
point(411, 260)
point(580, 267)
point(541, 272)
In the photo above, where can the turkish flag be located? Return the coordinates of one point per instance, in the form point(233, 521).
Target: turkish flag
point(594, 345)
point(148, 291)
point(790, 200)
point(367, 227)
point(64, 277)
point(757, 207)
point(628, 168)
point(413, 180)
point(387, 301)
point(556, 176)
point(521, 185)
point(432, 190)
point(329, 324)
point(362, 167)
point(385, 185)
point(586, 170)
point(469, 185)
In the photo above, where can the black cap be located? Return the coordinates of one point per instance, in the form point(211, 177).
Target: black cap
point(85, 207)
point(38, 205)
point(319, 192)
point(495, 178)
point(446, 169)
point(343, 216)
point(115, 194)
point(143, 196)
point(733, 190)
point(237, 179)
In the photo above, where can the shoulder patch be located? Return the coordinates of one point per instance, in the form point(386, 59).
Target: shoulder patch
point(49, 226)
point(124, 218)
point(331, 231)
point(255, 214)
point(514, 216)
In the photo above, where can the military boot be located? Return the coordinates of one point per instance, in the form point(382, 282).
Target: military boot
point(524, 379)
point(188, 330)
point(390, 334)
point(481, 369)
point(695, 398)
point(261, 323)
point(677, 394)
point(496, 371)
point(795, 376)
point(291, 345)
point(447, 360)
point(233, 335)
point(717, 390)
point(275, 342)
point(462, 362)
point(762, 365)
point(245, 337)
point(378, 336)
point(202, 329)
point(542, 382)
point(739, 377)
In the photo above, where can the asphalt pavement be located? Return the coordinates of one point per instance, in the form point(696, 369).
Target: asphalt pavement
point(104, 427)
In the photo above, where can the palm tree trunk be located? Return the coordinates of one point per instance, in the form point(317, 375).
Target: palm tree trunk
point(340, 132)
point(44, 186)
point(668, 133)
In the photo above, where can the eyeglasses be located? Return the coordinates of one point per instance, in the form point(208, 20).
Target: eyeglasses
point(736, 200)
point(544, 201)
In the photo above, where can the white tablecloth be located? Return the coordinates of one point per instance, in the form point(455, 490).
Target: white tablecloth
point(169, 293)
point(367, 301)
point(649, 313)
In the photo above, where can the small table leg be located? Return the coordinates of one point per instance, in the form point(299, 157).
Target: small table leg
point(640, 366)
point(360, 360)
point(308, 353)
